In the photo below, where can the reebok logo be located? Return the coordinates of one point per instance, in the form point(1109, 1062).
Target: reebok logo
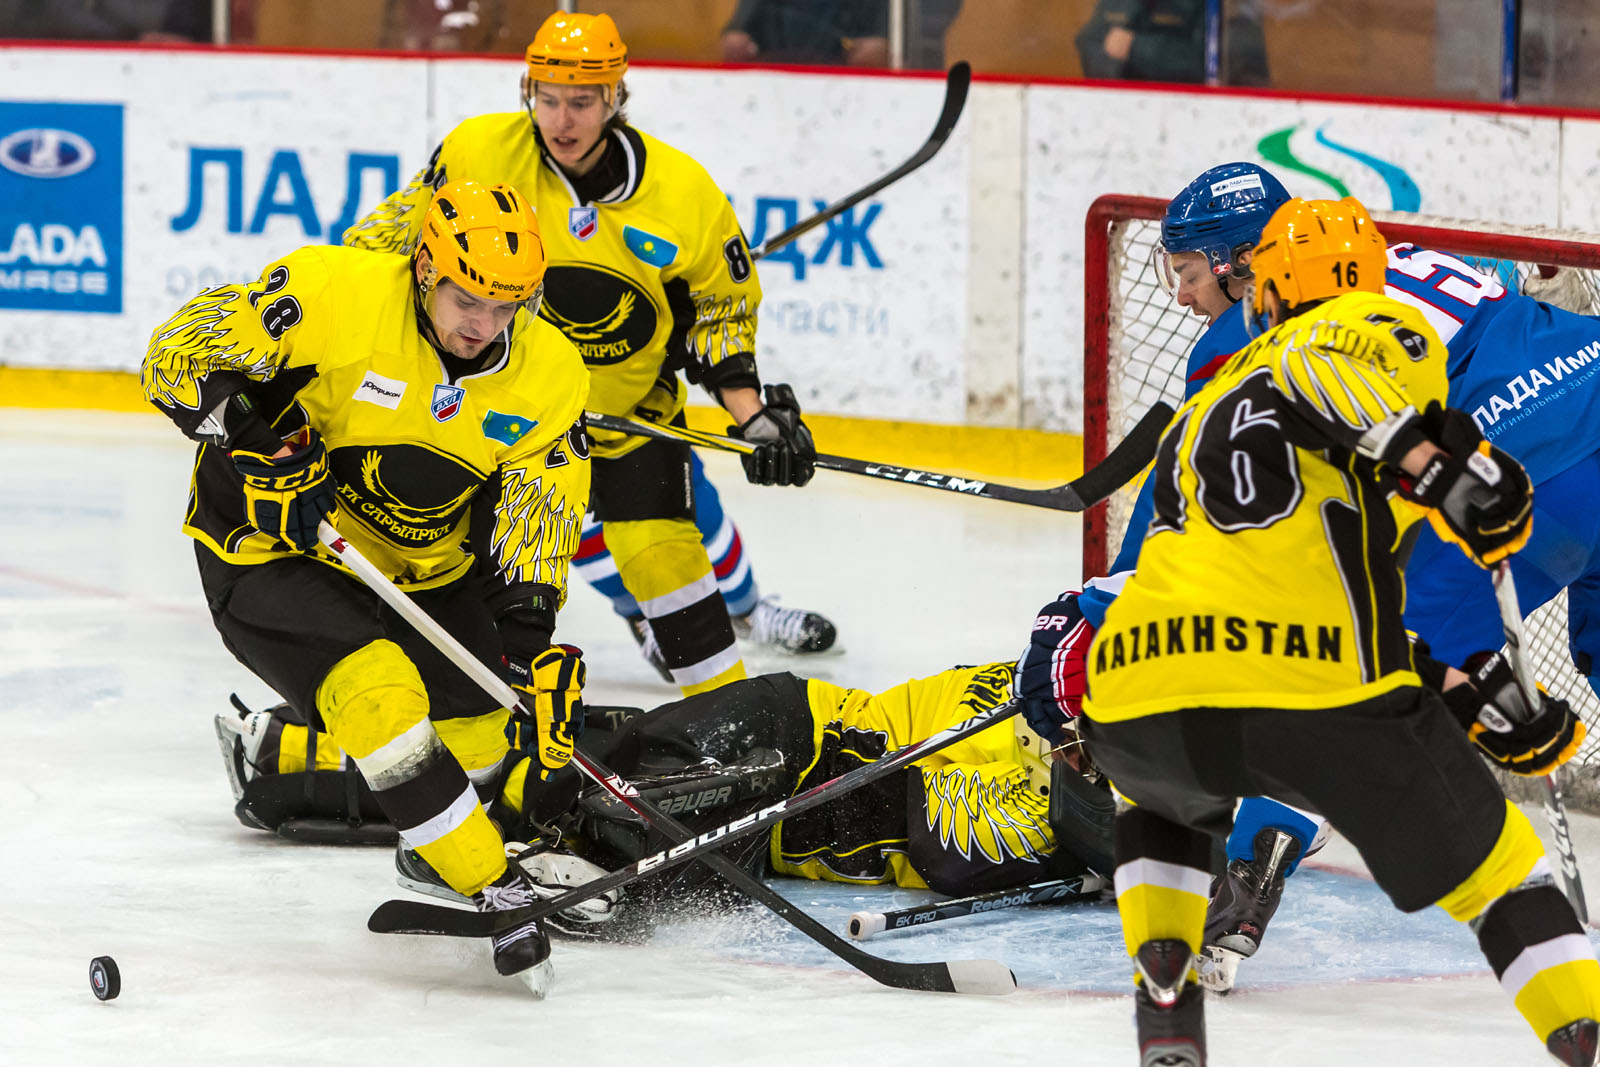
point(384, 392)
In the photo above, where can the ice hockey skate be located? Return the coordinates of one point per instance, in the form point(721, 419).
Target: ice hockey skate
point(1169, 1010)
point(548, 873)
point(795, 631)
point(1244, 902)
point(1576, 1044)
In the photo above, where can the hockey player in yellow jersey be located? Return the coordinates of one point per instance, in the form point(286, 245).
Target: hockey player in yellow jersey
point(992, 811)
point(649, 275)
point(1259, 647)
point(417, 403)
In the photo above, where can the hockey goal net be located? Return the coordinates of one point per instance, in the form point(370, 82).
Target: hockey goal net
point(1136, 347)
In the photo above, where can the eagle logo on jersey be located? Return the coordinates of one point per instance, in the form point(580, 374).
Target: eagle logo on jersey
point(594, 331)
point(413, 496)
point(407, 513)
point(604, 313)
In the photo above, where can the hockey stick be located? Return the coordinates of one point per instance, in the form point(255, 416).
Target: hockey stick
point(955, 98)
point(1555, 809)
point(416, 917)
point(1119, 468)
point(955, 976)
point(863, 924)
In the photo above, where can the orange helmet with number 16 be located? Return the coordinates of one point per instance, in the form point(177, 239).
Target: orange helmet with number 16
point(1317, 249)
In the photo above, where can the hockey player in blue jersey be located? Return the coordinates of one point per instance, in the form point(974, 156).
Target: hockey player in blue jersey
point(1529, 373)
point(759, 621)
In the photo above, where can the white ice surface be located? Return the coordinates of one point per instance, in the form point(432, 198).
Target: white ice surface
point(118, 836)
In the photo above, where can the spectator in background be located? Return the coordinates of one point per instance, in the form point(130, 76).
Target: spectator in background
point(1165, 41)
point(824, 32)
point(927, 21)
point(80, 20)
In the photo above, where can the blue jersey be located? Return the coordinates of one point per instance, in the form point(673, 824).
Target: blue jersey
point(1511, 357)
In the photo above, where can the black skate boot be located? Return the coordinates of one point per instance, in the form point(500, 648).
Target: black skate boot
point(524, 949)
point(1246, 898)
point(792, 630)
point(1576, 1044)
point(639, 626)
point(1169, 1010)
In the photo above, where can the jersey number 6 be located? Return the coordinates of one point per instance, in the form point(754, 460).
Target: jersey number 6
point(1247, 472)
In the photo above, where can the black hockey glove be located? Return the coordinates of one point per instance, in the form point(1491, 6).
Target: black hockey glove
point(784, 454)
point(1477, 496)
point(1491, 708)
point(286, 498)
point(1051, 673)
point(551, 686)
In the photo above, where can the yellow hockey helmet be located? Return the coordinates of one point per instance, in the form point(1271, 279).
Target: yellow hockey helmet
point(1316, 249)
point(573, 49)
point(486, 240)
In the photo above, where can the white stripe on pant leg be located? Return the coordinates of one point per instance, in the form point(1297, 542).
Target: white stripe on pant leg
point(680, 598)
point(597, 569)
point(719, 544)
point(1535, 958)
point(706, 669)
point(453, 816)
point(1165, 875)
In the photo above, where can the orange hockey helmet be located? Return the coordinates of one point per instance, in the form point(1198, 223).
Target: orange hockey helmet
point(1317, 249)
point(573, 49)
point(486, 240)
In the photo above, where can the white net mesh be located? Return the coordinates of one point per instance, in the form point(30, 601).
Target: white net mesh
point(1148, 348)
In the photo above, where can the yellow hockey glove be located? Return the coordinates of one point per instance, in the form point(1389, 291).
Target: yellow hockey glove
point(286, 498)
point(1490, 706)
point(1477, 497)
point(552, 715)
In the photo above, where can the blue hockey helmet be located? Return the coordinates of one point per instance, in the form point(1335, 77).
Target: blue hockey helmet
point(1220, 214)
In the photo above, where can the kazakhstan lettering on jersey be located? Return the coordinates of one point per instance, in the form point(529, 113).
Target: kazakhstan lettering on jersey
point(1268, 576)
point(328, 337)
point(653, 277)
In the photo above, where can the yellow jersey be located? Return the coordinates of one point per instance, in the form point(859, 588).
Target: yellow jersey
point(966, 814)
point(328, 337)
point(1270, 573)
point(650, 277)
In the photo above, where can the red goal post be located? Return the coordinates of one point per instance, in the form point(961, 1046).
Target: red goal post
point(1136, 345)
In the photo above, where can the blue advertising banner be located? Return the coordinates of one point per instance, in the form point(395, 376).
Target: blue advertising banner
point(60, 207)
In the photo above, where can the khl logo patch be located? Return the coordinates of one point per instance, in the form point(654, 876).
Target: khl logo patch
point(447, 401)
point(582, 222)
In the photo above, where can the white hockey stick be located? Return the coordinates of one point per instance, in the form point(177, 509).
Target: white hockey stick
point(1555, 809)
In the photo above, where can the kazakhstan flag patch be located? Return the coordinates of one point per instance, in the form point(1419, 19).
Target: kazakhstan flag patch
point(507, 429)
point(648, 247)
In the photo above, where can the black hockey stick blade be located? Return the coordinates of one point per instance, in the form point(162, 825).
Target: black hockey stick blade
point(956, 83)
point(419, 917)
point(968, 976)
point(1555, 808)
point(863, 924)
point(1119, 468)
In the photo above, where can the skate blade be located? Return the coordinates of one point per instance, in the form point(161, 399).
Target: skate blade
point(538, 978)
point(226, 737)
point(430, 889)
point(1218, 968)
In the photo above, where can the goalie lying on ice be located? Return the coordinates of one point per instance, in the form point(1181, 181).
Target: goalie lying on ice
point(990, 812)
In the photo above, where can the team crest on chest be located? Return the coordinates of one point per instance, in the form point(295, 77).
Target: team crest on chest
point(447, 401)
point(582, 222)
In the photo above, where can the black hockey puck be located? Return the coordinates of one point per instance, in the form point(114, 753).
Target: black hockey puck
point(104, 978)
